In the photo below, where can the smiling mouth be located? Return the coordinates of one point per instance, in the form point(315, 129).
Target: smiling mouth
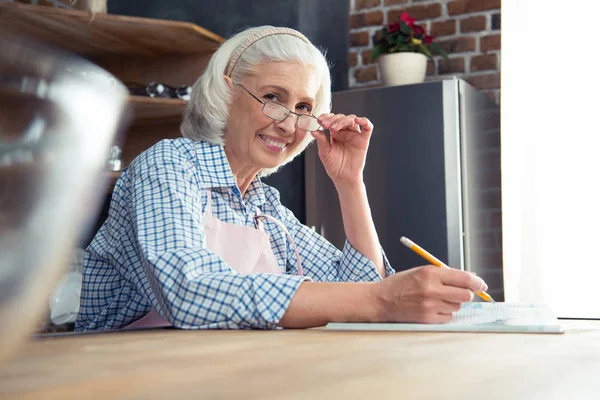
point(272, 142)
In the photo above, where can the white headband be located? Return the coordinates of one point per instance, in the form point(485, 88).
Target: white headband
point(257, 36)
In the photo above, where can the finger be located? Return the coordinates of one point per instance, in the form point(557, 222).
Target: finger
point(447, 307)
point(332, 120)
point(462, 279)
point(364, 123)
point(327, 119)
point(436, 306)
point(456, 295)
point(345, 122)
point(320, 137)
point(439, 318)
point(324, 117)
point(445, 318)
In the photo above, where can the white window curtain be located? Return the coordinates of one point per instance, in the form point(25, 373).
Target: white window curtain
point(551, 154)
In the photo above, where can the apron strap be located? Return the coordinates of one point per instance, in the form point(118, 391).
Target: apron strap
point(259, 217)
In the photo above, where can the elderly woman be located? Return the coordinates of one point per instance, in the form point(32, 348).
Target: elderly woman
point(195, 240)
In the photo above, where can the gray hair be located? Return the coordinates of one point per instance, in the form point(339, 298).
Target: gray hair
point(206, 115)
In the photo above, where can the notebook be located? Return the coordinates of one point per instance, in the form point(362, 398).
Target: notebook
point(476, 317)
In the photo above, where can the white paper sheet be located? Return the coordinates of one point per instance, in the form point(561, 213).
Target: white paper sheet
point(477, 317)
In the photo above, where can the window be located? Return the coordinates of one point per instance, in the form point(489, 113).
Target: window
point(551, 155)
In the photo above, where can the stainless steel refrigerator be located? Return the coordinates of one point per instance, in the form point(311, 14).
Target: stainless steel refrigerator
point(432, 175)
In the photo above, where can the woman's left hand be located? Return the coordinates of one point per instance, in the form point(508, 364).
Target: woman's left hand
point(344, 157)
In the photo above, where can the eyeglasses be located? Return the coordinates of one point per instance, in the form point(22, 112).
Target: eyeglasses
point(279, 113)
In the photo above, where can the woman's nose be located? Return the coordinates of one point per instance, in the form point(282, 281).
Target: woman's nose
point(289, 123)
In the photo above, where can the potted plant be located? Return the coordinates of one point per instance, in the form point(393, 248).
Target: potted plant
point(401, 50)
point(94, 6)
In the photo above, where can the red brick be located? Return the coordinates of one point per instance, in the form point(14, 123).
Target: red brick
point(366, 74)
point(488, 81)
point(453, 65)
point(443, 28)
point(366, 57)
point(484, 62)
point(366, 19)
point(352, 59)
point(359, 39)
point(490, 42)
point(428, 11)
point(393, 2)
point(360, 4)
point(458, 45)
point(473, 24)
point(469, 6)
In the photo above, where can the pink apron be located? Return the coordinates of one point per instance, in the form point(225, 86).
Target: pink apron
point(247, 250)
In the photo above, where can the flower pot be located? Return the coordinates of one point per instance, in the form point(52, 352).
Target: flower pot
point(95, 6)
point(402, 68)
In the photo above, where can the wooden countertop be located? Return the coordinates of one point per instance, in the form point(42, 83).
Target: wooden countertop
point(310, 364)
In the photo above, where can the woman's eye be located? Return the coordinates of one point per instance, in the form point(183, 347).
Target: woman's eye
point(271, 97)
point(304, 108)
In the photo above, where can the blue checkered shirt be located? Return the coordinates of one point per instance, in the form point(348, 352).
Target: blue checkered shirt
point(151, 250)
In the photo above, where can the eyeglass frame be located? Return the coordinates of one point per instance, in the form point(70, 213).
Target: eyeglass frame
point(265, 102)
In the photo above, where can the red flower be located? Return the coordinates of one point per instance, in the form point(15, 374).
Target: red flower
point(428, 39)
point(418, 30)
point(409, 21)
point(393, 27)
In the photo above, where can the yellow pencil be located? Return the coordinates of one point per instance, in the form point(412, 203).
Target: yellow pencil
point(423, 253)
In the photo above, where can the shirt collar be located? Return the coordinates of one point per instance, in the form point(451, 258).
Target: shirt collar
point(216, 171)
point(256, 193)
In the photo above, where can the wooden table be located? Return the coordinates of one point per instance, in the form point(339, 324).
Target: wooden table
point(311, 364)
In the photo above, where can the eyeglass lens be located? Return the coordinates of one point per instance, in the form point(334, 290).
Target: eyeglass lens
point(279, 112)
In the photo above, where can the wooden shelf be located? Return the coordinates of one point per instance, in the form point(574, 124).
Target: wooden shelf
point(154, 109)
point(112, 176)
point(100, 35)
point(133, 49)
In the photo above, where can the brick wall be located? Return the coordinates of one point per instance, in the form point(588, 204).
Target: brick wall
point(469, 30)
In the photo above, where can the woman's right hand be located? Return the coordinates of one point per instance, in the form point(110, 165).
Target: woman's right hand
point(426, 294)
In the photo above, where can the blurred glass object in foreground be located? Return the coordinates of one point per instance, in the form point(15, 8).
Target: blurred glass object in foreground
point(59, 116)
